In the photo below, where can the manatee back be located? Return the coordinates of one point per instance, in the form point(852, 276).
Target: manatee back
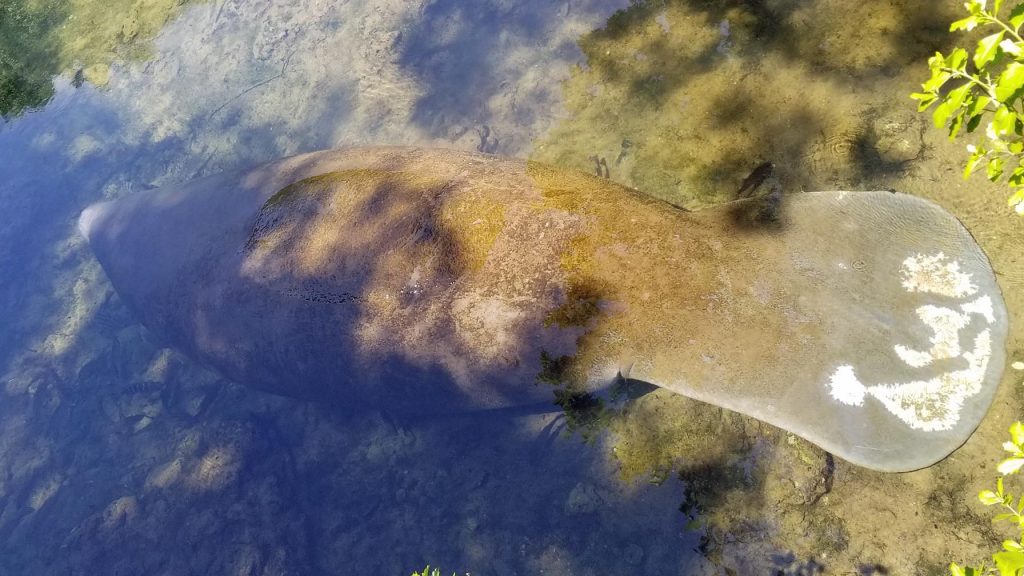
point(384, 277)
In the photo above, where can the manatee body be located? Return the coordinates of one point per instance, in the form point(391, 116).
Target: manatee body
point(869, 323)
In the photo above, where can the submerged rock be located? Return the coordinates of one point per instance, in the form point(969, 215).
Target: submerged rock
point(869, 323)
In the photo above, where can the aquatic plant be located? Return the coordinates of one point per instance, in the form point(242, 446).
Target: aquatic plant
point(40, 39)
point(989, 84)
point(435, 572)
point(1010, 561)
point(584, 412)
point(27, 56)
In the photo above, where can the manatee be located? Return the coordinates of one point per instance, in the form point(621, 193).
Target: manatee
point(869, 323)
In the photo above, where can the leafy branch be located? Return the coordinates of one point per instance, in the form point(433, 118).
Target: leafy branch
point(1009, 562)
point(989, 83)
point(435, 572)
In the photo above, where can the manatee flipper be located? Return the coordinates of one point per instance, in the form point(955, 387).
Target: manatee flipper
point(869, 323)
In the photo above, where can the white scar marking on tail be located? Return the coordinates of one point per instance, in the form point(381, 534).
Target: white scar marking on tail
point(946, 324)
point(927, 405)
point(846, 388)
point(935, 275)
point(913, 358)
point(935, 403)
point(981, 306)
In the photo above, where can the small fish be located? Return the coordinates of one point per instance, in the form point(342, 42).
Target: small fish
point(756, 178)
point(826, 479)
point(600, 166)
point(488, 145)
point(626, 145)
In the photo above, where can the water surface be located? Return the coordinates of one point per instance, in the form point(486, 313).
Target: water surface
point(119, 456)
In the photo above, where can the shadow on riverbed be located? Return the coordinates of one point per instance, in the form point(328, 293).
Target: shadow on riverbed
point(685, 97)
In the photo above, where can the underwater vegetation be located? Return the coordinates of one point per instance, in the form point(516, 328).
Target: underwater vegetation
point(427, 571)
point(40, 39)
point(683, 97)
point(28, 54)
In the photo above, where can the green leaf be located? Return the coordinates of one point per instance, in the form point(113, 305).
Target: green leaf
point(975, 111)
point(978, 104)
point(968, 24)
point(959, 95)
point(1017, 177)
point(1003, 123)
point(972, 163)
point(954, 100)
point(1017, 17)
point(956, 59)
point(1010, 81)
point(965, 571)
point(1017, 433)
point(995, 7)
point(926, 99)
point(1012, 546)
point(956, 570)
point(987, 49)
point(994, 171)
point(989, 498)
point(1008, 563)
point(1005, 516)
point(1017, 202)
point(942, 113)
point(938, 78)
point(954, 126)
point(1010, 466)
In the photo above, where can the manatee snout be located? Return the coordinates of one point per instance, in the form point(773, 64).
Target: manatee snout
point(90, 218)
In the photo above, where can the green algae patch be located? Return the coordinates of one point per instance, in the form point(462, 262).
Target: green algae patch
point(622, 263)
point(103, 32)
point(29, 52)
point(366, 197)
point(312, 185)
point(97, 74)
point(360, 182)
point(663, 432)
point(472, 221)
point(40, 39)
point(475, 222)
